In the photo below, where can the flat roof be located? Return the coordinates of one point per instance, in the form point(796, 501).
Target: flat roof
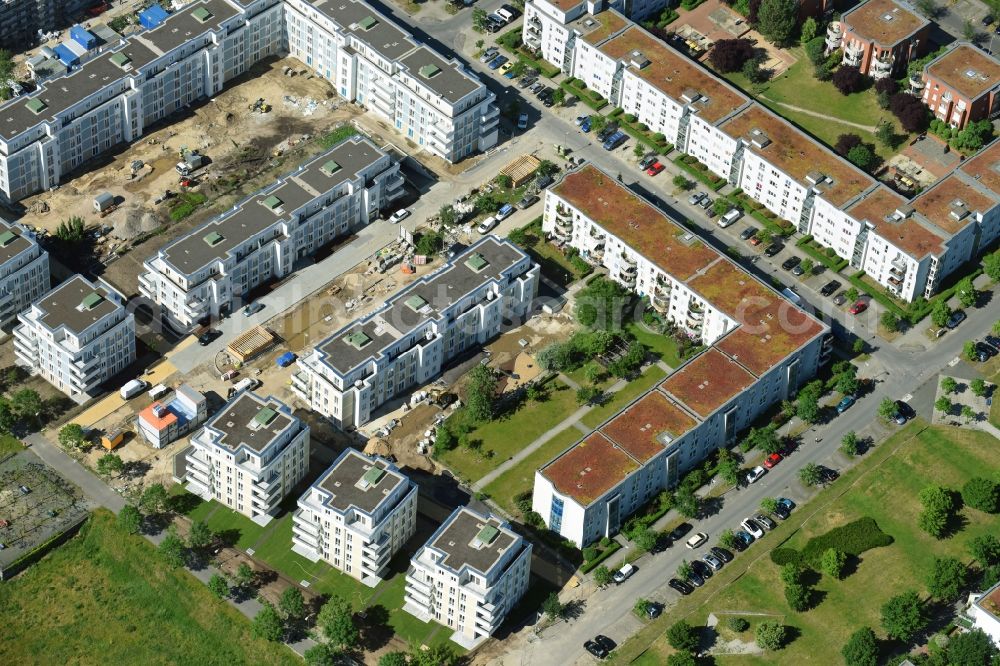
point(565, 5)
point(984, 168)
point(77, 304)
point(447, 79)
point(214, 240)
point(589, 469)
point(909, 235)
point(251, 421)
point(729, 288)
point(648, 426)
point(674, 74)
point(884, 21)
point(469, 539)
point(768, 334)
point(595, 28)
point(148, 415)
point(797, 154)
point(708, 382)
point(359, 481)
point(12, 241)
point(949, 204)
point(183, 25)
point(366, 338)
point(990, 602)
point(966, 70)
point(639, 224)
point(367, 26)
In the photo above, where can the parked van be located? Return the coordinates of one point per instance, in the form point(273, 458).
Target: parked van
point(505, 14)
point(624, 573)
point(731, 216)
point(132, 389)
point(158, 391)
point(247, 384)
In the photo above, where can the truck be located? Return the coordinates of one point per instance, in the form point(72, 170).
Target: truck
point(192, 162)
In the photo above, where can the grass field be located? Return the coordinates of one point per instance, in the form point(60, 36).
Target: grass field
point(222, 519)
point(664, 347)
point(652, 376)
point(885, 487)
point(10, 444)
point(508, 434)
point(106, 597)
point(521, 477)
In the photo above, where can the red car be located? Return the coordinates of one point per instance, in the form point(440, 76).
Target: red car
point(654, 169)
point(772, 460)
point(754, 241)
point(858, 308)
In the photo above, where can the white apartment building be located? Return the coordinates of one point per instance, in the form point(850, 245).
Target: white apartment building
point(407, 341)
point(468, 576)
point(249, 456)
point(76, 336)
point(210, 270)
point(356, 516)
point(435, 103)
point(24, 271)
point(763, 348)
point(984, 610)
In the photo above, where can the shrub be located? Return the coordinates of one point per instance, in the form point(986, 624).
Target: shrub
point(737, 624)
point(981, 493)
point(853, 538)
point(728, 55)
point(848, 79)
point(911, 112)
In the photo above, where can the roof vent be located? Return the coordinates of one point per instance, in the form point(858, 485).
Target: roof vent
point(416, 302)
point(429, 71)
point(690, 96)
point(214, 238)
point(371, 478)
point(887, 17)
point(367, 23)
point(263, 418)
point(122, 60)
point(36, 105)
point(330, 167)
point(477, 262)
point(7, 237)
point(589, 23)
point(641, 61)
point(357, 339)
point(91, 301)
point(273, 203)
point(485, 537)
point(759, 138)
point(201, 14)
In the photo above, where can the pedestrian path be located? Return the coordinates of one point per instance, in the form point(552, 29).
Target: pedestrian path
point(823, 116)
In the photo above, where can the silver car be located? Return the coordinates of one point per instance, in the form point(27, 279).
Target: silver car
point(712, 561)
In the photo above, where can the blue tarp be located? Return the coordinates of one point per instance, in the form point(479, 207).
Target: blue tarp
point(83, 37)
point(152, 17)
point(286, 359)
point(67, 57)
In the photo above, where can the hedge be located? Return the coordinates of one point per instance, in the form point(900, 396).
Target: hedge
point(587, 97)
point(703, 176)
point(834, 263)
point(888, 302)
point(587, 567)
point(853, 539)
point(511, 42)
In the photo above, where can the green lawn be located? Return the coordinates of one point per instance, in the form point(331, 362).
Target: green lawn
point(221, 518)
point(507, 435)
point(521, 477)
point(662, 346)
point(107, 597)
point(885, 487)
point(632, 390)
point(10, 444)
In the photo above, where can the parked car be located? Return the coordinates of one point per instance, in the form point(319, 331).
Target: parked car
point(993, 341)
point(739, 546)
point(585, 126)
point(797, 270)
point(755, 241)
point(527, 81)
point(595, 648)
point(489, 54)
point(498, 62)
point(984, 352)
point(845, 403)
point(772, 460)
point(827, 475)
point(706, 203)
point(781, 511)
point(790, 263)
point(253, 308)
point(840, 299)
point(764, 521)
point(522, 121)
point(773, 249)
point(648, 160)
point(751, 526)
point(506, 67)
point(608, 130)
point(786, 503)
point(730, 217)
point(505, 211)
point(858, 308)
point(132, 388)
point(987, 20)
point(702, 569)
point(748, 233)
point(696, 540)
point(678, 532)
point(654, 169)
point(615, 140)
point(903, 413)
point(696, 579)
point(654, 610)
point(623, 574)
point(527, 201)
point(695, 198)
point(399, 216)
point(722, 554)
point(536, 88)
point(486, 225)
point(745, 537)
point(830, 287)
point(543, 181)
point(680, 586)
point(208, 336)
point(754, 474)
point(711, 560)
point(579, 119)
point(956, 318)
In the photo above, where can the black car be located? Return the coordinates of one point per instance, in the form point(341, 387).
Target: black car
point(543, 181)
point(903, 413)
point(678, 532)
point(722, 554)
point(527, 201)
point(654, 610)
point(595, 648)
point(206, 338)
point(696, 579)
point(605, 642)
point(830, 287)
point(662, 543)
point(702, 569)
point(739, 546)
point(511, 10)
point(748, 233)
point(790, 263)
point(840, 299)
point(781, 512)
point(773, 249)
point(527, 81)
point(608, 130)
point(993, 341)
point(680, 586)
point(984, 352)
point(956, 318)
point(827, 475)
point(987, 20)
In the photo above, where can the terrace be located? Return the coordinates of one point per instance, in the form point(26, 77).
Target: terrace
point(708, 382)
point(648, 425)
point(589, 469)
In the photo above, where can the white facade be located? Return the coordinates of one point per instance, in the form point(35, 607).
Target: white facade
point(469, 575)
point(985, 613)
point(210, 270)
point(408, 341)
point(249, 456)
point(164, 422)
point(76, 336)
point(24, 271)
point(356, 516)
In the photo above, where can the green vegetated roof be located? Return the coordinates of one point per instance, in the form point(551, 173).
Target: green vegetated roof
point(265, 416)
point(6, 238)
point(91, 300)
point(331, 167)
point(272, 202)
point(214, 238)
point(416, 302)
point(358, 339)
point(373, 476)
point(427, 71)
point(477, 262)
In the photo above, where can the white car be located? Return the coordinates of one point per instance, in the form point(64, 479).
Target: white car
point(754, 475)
point(399, 216)
point(623, 574)
point(696, 540)
point(522, 121)
point(752, 527)
point(486, 225)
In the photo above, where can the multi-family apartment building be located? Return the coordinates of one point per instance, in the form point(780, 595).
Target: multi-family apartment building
point(413, 335)
point(248, 456)
point(909, 251)
point(167, 420)
point(880, 37)
point(762, 348)
point(76, 336)
point(469, 575)
point(21, 20)
point(356, 516)
point(24, 271)
point(118, 90)
point(960, 86)
point(209, 271)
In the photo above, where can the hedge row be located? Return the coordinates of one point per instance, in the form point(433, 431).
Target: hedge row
point(588, 97)
point(834, 263)
point(853, 539)
point(587, 567)
point(704, 176)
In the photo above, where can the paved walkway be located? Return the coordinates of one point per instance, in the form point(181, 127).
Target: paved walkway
point(95, 489)
point(816, 114)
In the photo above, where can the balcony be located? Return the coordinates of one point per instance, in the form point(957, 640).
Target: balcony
point(881, 67)
point(659, 302)
point(853, 54)
point(627, 269)
point(916, 85)
point(596, 233)
point(834, 36)
point(305, 526)
point(629, 259)
point(695, 311)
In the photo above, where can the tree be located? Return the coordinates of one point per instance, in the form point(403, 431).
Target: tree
point(243, 577)
point(845, 142)
point(686, 502)
point(645, 539)
point(890, 322)
point(438, 655)
point(847, 384)
point(266, 625)
point(966, 292)
point(884, 133)
point(737, 624)
point(154, 499)
point(324, 654)
point(728, 55)
point(764, 236)
point(764, 439)
point(848, 79)
point(753, 12)
point(790, 573)
point(729, 469)
point(940, 312)
point(769, 505)
point(682, 183)
point(448, 215)
point(771, 635)
point(478, 19)
point(599, 305)
point(682, 637)
point(428, 243)
point(985, 549)
point(292, 604)
point(797, 597)
point(902, 616)
point(832, 563)
point(861, 648)
point(682, 659)
point(129, 519)
point(981, 493)
point(808, 31)
point(552, 606)
point(949, 385)
point(108, 464)
point(602, 576)
point(968, 31)
point(337, 623)
point(7, 67)
point(807, 265)
point(393, 659)
point(559, 96)
point(586, 395)
point(71, 231)
point(27, 404)
point(849, 444)
point(810, 475)
point(72, 436)
point(754, 72)
point(972, 648)
point(947, 578)
point(978, 387)
point(727, 539)
point(200, 536)
point(685, 570)
point(862, 157)
point(991, 266)
point(937, 498)
point(171, 549)
point(968, 413)
point(218, 586)
point(807, 406)
point(887, 410)
point(943, 405)
point(776, 20)
point(481, 392)
point(911, 112)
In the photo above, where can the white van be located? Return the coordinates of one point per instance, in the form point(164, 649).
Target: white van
point(247, 384)
point(505, 14)
point(623, 574)
point(158, 391)
point(132, 389)
point(731, 216)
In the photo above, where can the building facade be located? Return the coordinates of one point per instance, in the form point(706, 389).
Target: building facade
point(166, 421)
point(356, 516)
point(24, 271)
point(985, 613)
point(249, 456)
point(209, 271)
point(407, 341)
point(762, 348)
point(960, 86)
point(880, 37)
point(468, 576)
point(77, 336)
point(21, 20)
